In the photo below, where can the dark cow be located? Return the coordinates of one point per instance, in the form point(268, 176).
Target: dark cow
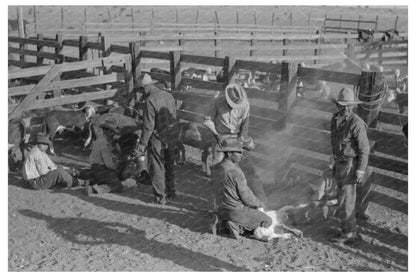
point(365, 36)
point(59, 120)
point(197, 136)
point(389, 35)
point(16, 140)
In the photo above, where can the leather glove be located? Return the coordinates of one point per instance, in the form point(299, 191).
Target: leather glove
point(359, 176)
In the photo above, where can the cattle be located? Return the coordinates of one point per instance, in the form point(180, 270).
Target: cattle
point(197, 136)
point(309, 84)
point(365, 36)
point(400, 93)
point(60, 120)
point(389, 35)
point(280, 219)
point(16, 140)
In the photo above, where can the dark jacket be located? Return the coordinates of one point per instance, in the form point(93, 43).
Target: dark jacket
point(230, 186)
point(349, 140)
point(159, 116)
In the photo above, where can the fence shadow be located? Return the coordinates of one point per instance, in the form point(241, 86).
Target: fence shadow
point(73, 229)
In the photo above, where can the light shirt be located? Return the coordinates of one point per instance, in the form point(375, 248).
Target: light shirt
point(36, 164)
point(228, 120)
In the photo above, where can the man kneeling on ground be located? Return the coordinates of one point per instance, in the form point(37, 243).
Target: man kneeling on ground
point(238, 206)
point(39, 170)
point(104, 173)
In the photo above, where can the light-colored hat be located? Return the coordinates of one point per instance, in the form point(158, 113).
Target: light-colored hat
point(230, 145)
point(146, 80)
point(235, 95)
point(346, 97)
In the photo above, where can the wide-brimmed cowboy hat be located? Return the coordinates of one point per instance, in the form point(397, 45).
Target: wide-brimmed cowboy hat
point(41, 138)
point(146, 80)
point(230, 145)
point(346, 97)
point(235, 95)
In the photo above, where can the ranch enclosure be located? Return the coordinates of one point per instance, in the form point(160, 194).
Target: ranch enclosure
point(291, 132)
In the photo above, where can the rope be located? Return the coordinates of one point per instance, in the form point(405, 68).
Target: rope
point(380, 87)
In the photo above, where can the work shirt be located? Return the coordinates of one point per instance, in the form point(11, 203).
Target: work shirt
point(349, 139)
point(159, 116)
point(228, 120)
point(101, 153)
point(36, 164)
point(230, 186)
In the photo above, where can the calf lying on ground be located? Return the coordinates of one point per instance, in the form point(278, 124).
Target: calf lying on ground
point(279, 220)
point(59, 120)
point(197, 136)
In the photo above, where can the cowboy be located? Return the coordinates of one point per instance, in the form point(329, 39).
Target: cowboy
point(104, 169)
point(159, 137)
point(237, 205)
point(229, 117)
point(39, 170)
point(351, 151)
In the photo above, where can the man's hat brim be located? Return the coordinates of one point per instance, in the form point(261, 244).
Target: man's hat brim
point(230, 149)
point(346, 103)
point(231, 102)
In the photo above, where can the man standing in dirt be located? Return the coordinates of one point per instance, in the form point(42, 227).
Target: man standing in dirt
point(159, 137)
point(228, 117)
point(351, 151)
point(237, 205)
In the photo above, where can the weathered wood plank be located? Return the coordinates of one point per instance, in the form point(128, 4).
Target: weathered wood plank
point(154, 55)
point(46, 43)
point(39, 88)
point(330, 76)
point(70, 42)
point(202, 60)
point(393, 118)
point(120, 49)
point(259, 66)
point(389, 202)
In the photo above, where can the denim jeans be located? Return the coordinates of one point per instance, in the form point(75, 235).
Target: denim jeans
point(55, 178)
point(353, 196)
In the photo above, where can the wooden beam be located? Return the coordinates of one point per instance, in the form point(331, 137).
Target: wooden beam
point(175, 69)
point(288, 85)
point(185, 58)
point(39, 88)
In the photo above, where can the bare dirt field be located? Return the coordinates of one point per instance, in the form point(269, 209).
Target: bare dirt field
point(65, 230)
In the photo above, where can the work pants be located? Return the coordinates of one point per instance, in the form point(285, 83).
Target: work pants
point(106, 178)
point(244, 219)
point(161, 159)
point(55, 178)
point(352, 197)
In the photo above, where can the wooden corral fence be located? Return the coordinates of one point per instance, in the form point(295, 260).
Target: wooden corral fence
point(343, 25)
point(67, 76)
point(312, 48)
point(272, 112)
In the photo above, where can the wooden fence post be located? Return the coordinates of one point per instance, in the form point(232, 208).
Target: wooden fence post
point(62, 17)
point(376, 25)
point(252, 51)
point(284, 51)
point(380, 54)
point(83, 50)
point(58, 49)
point(316, 51)
point(175, 69)
point(196, 20)
point(135, 63)
point(84, 25)
point(39, 60)
point(288, 85)
point(35, 20)
point(309, 19)
point(21, 32)
point(395, 22)
point(290, 19)
point(216, 52)
point(129, 82)
point(370, 85)
point(229, 70)
point(359, 22)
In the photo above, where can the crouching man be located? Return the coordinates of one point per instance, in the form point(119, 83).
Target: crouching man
point(104, 170)
point(237, 205)
point(39, 170)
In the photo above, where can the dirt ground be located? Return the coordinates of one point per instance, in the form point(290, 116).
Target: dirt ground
point(65, 230)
